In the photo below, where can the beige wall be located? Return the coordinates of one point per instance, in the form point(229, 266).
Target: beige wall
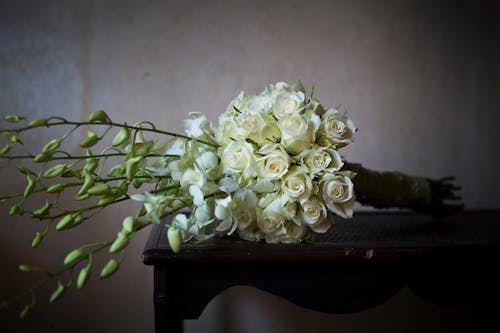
point(420, 79)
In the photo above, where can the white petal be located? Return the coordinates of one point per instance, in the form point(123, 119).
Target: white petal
point(197, 194)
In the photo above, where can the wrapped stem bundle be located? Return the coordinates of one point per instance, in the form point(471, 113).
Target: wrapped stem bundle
point(394, 189)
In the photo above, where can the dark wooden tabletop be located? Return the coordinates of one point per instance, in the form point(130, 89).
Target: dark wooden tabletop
point(358, 264)
point(368, 235)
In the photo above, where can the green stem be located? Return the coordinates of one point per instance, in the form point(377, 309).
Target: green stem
point(63, 270)
point(51, 276)
point(154, 130)
point(69, 157)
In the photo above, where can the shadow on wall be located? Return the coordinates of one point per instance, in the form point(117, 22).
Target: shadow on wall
point(246, 309)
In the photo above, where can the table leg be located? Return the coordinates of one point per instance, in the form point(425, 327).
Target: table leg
point(167, 300)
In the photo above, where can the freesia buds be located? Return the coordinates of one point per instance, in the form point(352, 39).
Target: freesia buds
point(37, 240)
point(30, 187)
point(90, 140)
point(56, 188)
point(15, 209)
point(73, 257)
point(83, 277)
point(5, 149)
point(42, 157)
point(122, 137)
point(116, 171)
point(120, 243)
point(174, 238)
point(87, 183)
point(65, 223)
point(25, 268)
point(99, 189)
point(128, 224)
point(51, 145)
point(55, 171)
point(12, 118)
point(57, 293)
point(110, 268)
point(41, 212)
point(38, 122)
point(98, 116)
point(133, 166)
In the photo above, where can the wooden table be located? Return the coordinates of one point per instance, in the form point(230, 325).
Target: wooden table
point(358, 264)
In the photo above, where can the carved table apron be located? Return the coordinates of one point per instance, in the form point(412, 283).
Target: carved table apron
point(358, 264)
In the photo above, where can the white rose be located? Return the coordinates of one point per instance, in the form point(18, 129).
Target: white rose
point(258, 104)
point(336, 129)
point(228, 129)
point(298, 131)
point(319, 159)
point(290, 233)
point(238, 157)
point(288, 103)
point(297, 185)
point(274, 164)
point(259, 127)
point(272, 217)
point(337, 191)
point(250, 122)
point(314, 215)
point(274, 90)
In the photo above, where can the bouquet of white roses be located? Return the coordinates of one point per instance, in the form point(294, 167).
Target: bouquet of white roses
point(269, 171)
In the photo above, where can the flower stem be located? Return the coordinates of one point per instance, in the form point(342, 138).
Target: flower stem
point(112, 124)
